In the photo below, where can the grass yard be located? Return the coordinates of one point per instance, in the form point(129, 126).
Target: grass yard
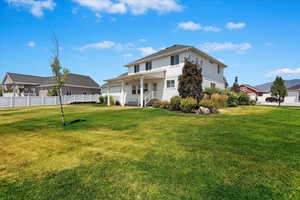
point(128, 153)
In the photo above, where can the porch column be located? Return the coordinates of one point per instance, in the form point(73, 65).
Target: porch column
point(122, 95)
point(108, 94)
point(142, 91)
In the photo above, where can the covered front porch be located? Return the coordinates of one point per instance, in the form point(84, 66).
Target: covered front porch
point(139, 89)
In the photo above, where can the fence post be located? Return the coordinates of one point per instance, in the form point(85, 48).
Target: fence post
point(43, 100)
point(28, 100)
point(55, 100)
point(12, 101)
point(74, 98)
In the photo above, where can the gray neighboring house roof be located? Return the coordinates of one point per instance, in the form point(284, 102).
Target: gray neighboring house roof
point(23, 78)
point(73, 80)
point(295, 87)
point(172, 49)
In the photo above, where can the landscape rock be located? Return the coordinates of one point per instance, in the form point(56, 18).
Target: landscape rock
point(203, 110)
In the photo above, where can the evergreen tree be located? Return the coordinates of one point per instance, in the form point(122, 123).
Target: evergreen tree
point(236, 86)
point(190, 81)
point(278, 89)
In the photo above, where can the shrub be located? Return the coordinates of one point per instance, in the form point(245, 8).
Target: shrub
point(175, 103)
point(188, 104)
point(211, 91)
point(1, 93)
point(244, 99)
point(111, 100)
point(219, 101)
point(156, 104)
point(232, 100)
point(253, 102)
point(208, 103)
point(118, 103)
point(164, 105)
point(102, 100)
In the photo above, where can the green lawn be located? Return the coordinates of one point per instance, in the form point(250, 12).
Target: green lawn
point(128, 153)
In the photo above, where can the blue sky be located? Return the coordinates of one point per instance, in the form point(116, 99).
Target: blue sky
point(257, 39)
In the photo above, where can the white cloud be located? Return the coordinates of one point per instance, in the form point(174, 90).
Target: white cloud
point(235, 26)
point(192, 26)
point(128, 55)
point(107, 45)
point(142, 40)
point(136, 7)
point(36, 7)
point(30, 44)
point(215, 46)
point(284, 71)
point(268, 44)
point(145, 51)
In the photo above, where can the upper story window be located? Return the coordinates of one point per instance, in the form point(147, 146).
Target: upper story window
point(219, 69)
point(175, 60)
point(148, 66)
point(136, 68)
point(170, 83)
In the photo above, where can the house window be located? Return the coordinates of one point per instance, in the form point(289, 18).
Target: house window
point(170, 83)
point(136, 68)
point(212, 85)
point(133, 89)
point(175, 60)
point(219, 69)
point(148, 66)
point(145, 87)
point(69, 93)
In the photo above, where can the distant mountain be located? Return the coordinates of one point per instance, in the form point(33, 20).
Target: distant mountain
point(288, 84)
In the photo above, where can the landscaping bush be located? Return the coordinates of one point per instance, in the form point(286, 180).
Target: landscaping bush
point(232, 100)
point(211, 91)
point(219, 100)
point(208, 103)
point(102, 100)
point(111, 100)
point(244, 99)
point(253, 102)
point(175, 103)
point(118, 103)
point(188, 104)
point(164, 105)
point(156, 104)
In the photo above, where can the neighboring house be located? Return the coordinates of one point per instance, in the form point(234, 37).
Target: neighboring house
point(294, 93)
point(28, 85)
point(252, 91)
point(156, 76)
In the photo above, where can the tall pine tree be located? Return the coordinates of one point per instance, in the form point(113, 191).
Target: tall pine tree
point(236, 86)
point(278, 89)
point(190, 81)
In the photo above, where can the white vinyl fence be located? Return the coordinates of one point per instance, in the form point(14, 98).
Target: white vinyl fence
point(10, 102)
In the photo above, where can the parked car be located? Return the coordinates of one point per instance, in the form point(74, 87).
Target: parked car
point(273, 99)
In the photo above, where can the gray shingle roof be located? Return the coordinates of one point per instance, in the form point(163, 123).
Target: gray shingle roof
point(22, 78)
point(161, 52)
point(295, 87)
point(73, 79)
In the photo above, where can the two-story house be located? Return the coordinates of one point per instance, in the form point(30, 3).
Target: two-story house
point(156, 76)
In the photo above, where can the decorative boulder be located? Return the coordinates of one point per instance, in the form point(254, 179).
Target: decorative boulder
point(203, 110)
